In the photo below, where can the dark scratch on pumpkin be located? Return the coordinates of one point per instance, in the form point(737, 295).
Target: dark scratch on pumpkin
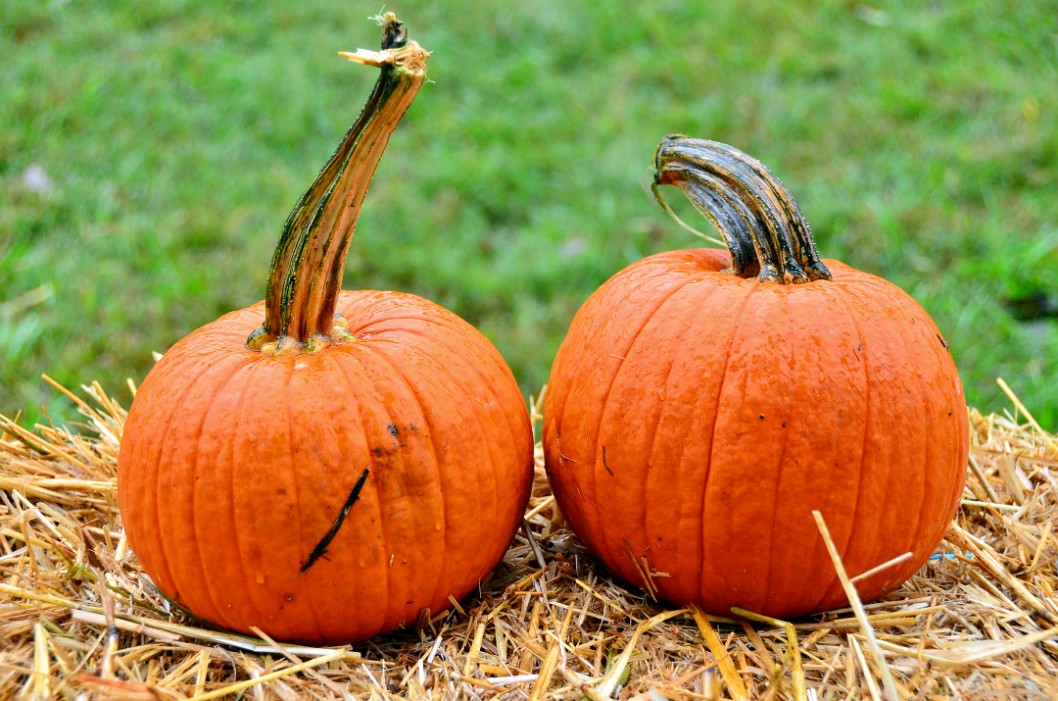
point(604, 463)
point(321, 547)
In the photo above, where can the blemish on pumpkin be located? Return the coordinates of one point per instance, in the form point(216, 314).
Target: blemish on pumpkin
point(762, 416)
point(393, 430)
point(942, 342)
point(321, 547)
point(604, 463)
point(558, 447)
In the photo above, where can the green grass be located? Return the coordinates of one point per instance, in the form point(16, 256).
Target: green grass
point(919, 138)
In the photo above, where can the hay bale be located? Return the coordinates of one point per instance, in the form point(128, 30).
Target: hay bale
point(79, 619)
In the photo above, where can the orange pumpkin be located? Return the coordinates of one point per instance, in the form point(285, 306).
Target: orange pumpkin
point(362, 458)
point(704, 403)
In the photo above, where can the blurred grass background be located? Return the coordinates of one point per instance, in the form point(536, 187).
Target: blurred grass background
point(149, 154)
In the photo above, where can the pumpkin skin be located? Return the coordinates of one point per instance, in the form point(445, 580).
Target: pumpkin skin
point(327, 465)
point(234, 465)
point(694, 419)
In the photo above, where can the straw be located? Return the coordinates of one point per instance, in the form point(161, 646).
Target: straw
point(79, 619)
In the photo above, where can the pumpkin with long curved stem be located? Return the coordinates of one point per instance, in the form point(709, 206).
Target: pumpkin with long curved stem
point(328, 465)
point(705, 402)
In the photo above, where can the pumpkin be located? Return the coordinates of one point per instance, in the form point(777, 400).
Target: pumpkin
point(705, 402)
point(327, 465)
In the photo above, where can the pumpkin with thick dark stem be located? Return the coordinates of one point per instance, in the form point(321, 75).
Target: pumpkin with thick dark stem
point(705, 402)
point(328, 465)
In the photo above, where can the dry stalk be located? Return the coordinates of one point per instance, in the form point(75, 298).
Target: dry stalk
point(888, 685)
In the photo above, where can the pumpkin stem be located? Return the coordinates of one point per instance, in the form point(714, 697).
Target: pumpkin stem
point(756, 216)
point(306, 272)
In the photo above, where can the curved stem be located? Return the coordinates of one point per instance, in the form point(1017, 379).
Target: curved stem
point(756, 216)
point(306, 272)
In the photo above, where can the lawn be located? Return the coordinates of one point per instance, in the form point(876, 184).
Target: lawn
point(149, 154)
